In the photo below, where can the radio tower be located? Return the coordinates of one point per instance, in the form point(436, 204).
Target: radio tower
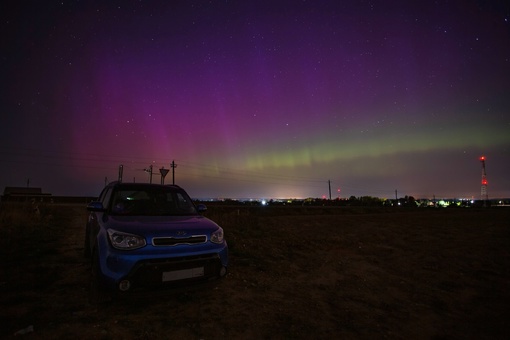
point(484, 194)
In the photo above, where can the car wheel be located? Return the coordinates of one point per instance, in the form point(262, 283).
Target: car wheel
point(97, 293)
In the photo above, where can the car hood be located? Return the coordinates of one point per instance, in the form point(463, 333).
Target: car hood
point(161, 225)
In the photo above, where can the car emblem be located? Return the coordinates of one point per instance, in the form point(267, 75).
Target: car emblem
point(181, 233)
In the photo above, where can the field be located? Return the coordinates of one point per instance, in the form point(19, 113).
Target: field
point(295, 272)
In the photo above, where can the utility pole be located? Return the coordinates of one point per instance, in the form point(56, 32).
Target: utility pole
point(121, 169)
point(150, 174)
point(173, 166)
point(329, 185)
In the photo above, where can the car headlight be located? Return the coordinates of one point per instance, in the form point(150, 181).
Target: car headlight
point(125, 241)
point(217, 236)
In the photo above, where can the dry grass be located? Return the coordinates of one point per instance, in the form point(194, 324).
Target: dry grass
point(295, 273)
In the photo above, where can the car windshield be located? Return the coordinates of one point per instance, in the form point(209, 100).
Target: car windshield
point(151, 201)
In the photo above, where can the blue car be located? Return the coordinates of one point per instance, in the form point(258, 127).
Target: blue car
point(147, 236)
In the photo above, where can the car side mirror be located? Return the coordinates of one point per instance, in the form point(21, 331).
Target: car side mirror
point(201, 208)
point(95, 206)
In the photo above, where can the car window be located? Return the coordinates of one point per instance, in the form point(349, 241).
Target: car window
point(101, 195)
point(184, 203)
point(151, 201)
point(105, 196)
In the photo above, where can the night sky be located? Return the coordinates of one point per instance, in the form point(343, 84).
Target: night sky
point(261, 99)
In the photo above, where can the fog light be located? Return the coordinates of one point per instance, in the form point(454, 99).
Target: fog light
point(223, 271)
point(124, 285)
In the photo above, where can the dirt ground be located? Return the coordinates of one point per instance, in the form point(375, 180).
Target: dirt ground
point(294, 273)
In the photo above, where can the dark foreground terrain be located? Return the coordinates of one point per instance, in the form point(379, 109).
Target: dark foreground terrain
point(295, 273)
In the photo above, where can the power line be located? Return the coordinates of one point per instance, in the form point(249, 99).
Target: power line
point(198, 170)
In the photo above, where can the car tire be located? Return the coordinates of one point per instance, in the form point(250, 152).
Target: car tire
point(98, 294)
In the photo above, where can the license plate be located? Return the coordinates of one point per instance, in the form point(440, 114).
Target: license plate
point(183, 274)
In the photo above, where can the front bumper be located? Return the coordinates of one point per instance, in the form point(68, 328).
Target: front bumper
point(153, 268)
point(176, 272)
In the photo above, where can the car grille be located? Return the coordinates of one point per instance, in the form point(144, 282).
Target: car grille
point(172, 241)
